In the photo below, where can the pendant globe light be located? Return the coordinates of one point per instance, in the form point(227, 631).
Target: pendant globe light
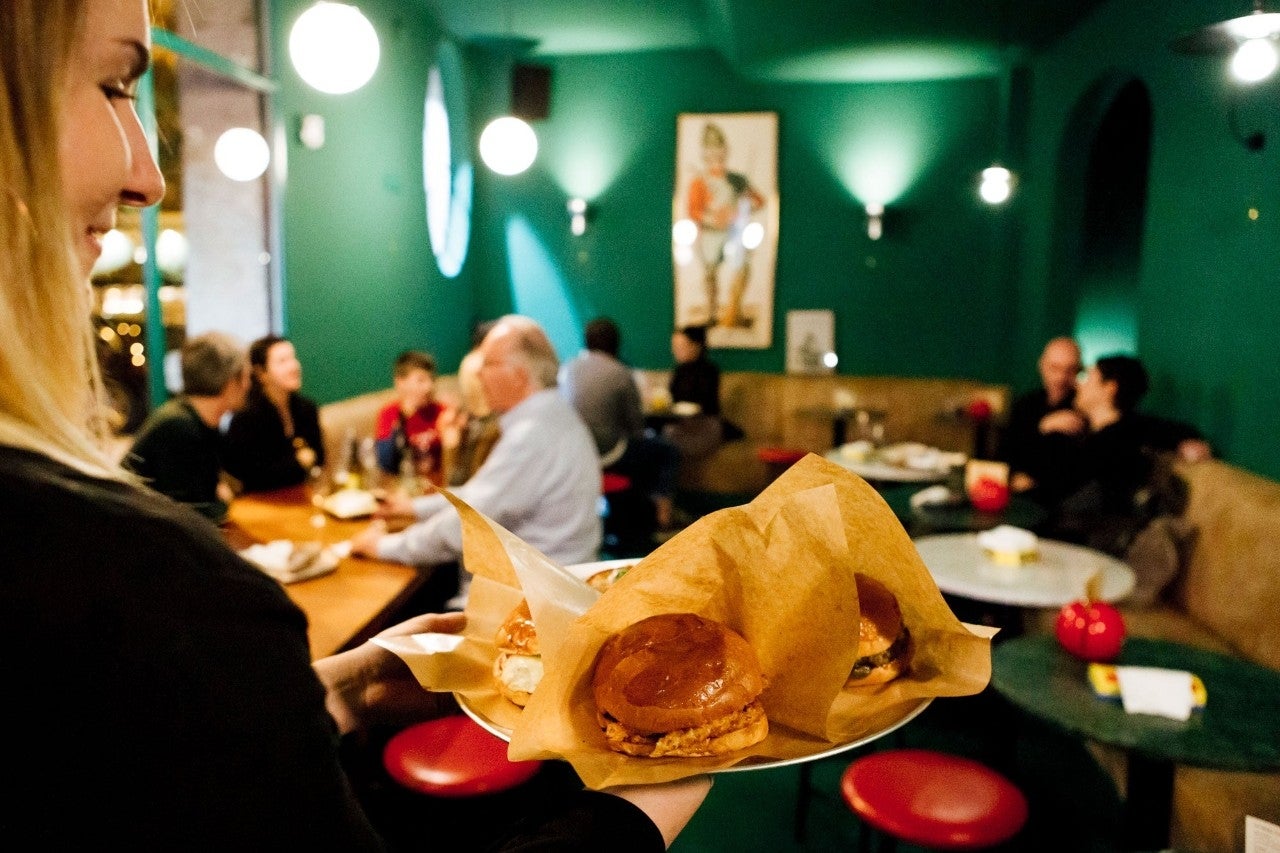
point(334, 48)
point(1252, 41)
point(508, 144)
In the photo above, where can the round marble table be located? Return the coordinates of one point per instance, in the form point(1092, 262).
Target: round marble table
point(960, 566)
point(1236, 730)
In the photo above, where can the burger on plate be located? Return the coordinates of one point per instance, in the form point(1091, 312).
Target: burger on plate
point(606, 578)
point(884, 643)
point(677, 684)
point(518, 666)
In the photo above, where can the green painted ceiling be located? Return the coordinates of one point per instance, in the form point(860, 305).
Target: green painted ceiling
point(782, 40)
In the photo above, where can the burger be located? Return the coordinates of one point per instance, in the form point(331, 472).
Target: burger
point(884, 643)
point(606, 578)
point(518, 667)
point(677, 684)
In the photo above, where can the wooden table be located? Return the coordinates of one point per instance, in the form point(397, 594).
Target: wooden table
point(345, 607)
point(1236, 730)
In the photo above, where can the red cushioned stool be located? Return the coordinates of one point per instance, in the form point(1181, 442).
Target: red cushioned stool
point(453, 757)
point(779, 459)
point(934, 800)
point(612, 484)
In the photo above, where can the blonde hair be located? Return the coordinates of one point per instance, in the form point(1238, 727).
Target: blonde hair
point(51, 398)
point(469, 386)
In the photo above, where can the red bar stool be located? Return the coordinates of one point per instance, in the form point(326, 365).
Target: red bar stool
point(933, 800)
point(779, 459)
point(453, 757)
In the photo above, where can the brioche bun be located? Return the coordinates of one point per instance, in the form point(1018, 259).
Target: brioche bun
point(884, 644)
point(677, 684)
point(518, 667)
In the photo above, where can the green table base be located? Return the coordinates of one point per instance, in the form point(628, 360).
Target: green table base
point(1236, 730)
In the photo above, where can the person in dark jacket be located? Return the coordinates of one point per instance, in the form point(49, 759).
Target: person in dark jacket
point(275, 440)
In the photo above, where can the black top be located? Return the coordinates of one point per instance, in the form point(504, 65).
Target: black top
point(179, 455)
point(697, 381)
point(256, 450)
point(160, 693)
point(1021, 444)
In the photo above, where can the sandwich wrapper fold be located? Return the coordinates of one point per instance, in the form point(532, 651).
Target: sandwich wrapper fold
point(779, 571)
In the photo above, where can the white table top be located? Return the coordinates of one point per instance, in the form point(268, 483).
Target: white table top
point(873, 469)
point(959, 566)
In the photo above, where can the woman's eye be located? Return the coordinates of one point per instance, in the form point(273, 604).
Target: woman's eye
point(119, 89)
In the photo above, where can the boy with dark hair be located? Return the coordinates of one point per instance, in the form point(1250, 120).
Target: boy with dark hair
point(411, 425)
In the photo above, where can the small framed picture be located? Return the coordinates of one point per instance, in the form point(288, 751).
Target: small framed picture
point(811, 341)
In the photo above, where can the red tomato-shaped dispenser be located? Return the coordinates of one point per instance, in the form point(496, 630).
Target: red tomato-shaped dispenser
point(988, 495)
point(1091, 629)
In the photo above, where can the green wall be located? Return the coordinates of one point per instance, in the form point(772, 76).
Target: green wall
point(924, 300)
point(953, 289)
point(1207, 309)
point(361, 283)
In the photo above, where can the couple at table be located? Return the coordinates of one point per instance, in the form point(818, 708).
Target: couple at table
point(1086, 453)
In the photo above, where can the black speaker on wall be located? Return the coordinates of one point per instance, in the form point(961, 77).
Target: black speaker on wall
point(531, 92)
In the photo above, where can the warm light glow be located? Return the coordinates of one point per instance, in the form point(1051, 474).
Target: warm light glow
point(334, 48)
point(119, 301)
point(997, 184)
point(508, 145)
point(684, 232)
point(117, 251)
point(171, 253)
point(1254, 60)
point(752, 235)
point(241, 154)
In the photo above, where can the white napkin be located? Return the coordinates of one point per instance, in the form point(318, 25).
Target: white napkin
point(932, 496)
point(288, 561)
point(1151, 690)
point(351, 503)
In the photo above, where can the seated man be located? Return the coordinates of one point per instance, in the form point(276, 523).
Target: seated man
point(1022, 445)
point(1092, 490)
point(604, 392)
point(411, 425)
point(1027, 442)
point(541, 481)
point(178, 449)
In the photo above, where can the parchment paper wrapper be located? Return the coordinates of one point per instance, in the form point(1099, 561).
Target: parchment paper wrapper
point(779, 570)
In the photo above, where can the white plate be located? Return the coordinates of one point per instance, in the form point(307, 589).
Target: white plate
point(754, 762)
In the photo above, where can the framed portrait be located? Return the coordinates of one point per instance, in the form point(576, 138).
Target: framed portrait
point(811, 335)
point(724, 233)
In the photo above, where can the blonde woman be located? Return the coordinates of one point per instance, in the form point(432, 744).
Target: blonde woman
point(160, 694)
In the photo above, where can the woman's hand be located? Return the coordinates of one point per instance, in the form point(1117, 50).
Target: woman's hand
point(369, 685)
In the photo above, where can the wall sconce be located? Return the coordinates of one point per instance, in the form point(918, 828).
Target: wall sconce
point(875, 220)
point(996, 185)
point(334, 48)
point(311, 131)
point(577, 216)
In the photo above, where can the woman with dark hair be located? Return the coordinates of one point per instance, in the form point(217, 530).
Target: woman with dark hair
point(695, 395)
point(275, 440)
